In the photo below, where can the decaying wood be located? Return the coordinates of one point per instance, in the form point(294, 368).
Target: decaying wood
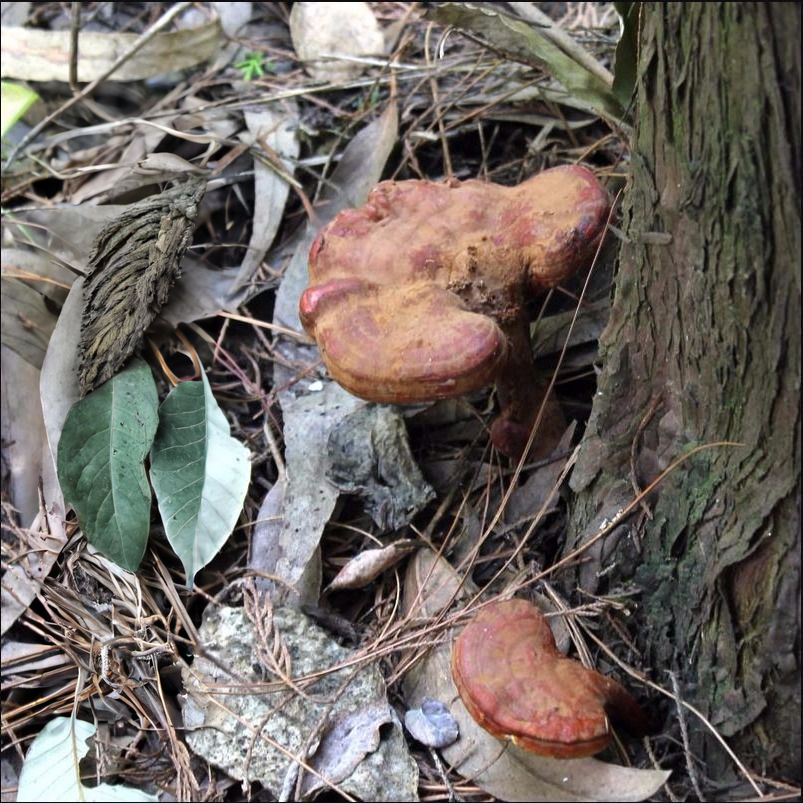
point(133, 264)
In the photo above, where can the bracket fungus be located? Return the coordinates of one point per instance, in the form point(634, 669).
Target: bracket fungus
point(422, 293)
point(517, 685)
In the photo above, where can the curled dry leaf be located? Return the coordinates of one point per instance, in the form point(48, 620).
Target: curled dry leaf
point(133, 265)
point(369, 455)
point(368, 565)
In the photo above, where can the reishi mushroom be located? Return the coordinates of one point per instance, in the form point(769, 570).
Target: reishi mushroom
point(517, 685)
point(422, 293)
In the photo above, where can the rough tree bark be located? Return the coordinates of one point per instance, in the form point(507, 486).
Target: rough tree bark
point(703, 345)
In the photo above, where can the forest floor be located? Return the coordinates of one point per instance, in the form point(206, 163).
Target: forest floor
point(382, 585)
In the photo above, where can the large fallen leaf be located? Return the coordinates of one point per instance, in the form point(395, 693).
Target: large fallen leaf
point(272, 127)
point(526, 43)
point(27, 323)
point(23, 435)
point(26, 454)
point(340, 725)
point(199, 293)
point(36, 55)
point(101, 468)
point(51, 772)
point(30, 436)
point(200, 474)
point(500, 768)
point(58, 386)
point(54, 243)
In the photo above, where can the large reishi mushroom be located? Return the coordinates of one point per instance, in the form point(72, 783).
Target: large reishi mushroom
point(421, 294)
point(517, 685)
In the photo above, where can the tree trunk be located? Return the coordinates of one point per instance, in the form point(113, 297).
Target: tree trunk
point(703, 345)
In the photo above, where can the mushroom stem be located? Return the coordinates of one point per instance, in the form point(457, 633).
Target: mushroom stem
point(521, 394)
point(623, 709)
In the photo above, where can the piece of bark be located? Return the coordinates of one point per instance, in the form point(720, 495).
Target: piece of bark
point(134, 263)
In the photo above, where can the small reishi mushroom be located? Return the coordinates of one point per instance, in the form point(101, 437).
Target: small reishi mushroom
point(421, 294)
point(517, 685)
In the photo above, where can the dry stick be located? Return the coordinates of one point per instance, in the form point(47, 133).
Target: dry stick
point(287, 332)
point(91, 87)
point(684, 734)
point(75, 28)
point(655, 403)
point(436, 111)
point(453, 796)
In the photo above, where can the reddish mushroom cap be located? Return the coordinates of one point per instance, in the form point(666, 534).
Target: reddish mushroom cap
point(516, 684)
point(419, 294)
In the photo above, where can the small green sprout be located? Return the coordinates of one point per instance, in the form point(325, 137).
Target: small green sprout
point(252, 65)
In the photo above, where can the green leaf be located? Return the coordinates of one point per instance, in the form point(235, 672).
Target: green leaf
point(523, 42)
point(200, 474)
point(51, 769)
point(16, 100)
point(103, 445)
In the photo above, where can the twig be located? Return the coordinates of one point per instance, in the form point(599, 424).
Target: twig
point(655, 403)
point(684, 734)
point(75, 29)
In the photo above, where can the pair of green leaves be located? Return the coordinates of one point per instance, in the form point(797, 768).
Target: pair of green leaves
point(199, 473)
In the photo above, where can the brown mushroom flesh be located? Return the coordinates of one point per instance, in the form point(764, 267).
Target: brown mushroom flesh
point(517, 685)
point(421, 294)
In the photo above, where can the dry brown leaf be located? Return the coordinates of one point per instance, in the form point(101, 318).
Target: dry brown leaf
point(27, 323)
point(35, 55)
point(322, 32)
point(273, 127)
point(366, 566)
point(27, 452)
point(500, 768)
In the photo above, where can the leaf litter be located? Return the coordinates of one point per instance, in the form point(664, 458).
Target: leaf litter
point(282, 153)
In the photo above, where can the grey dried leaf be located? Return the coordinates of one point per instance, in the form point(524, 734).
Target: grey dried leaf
point(134, 263)
point(368, 565)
